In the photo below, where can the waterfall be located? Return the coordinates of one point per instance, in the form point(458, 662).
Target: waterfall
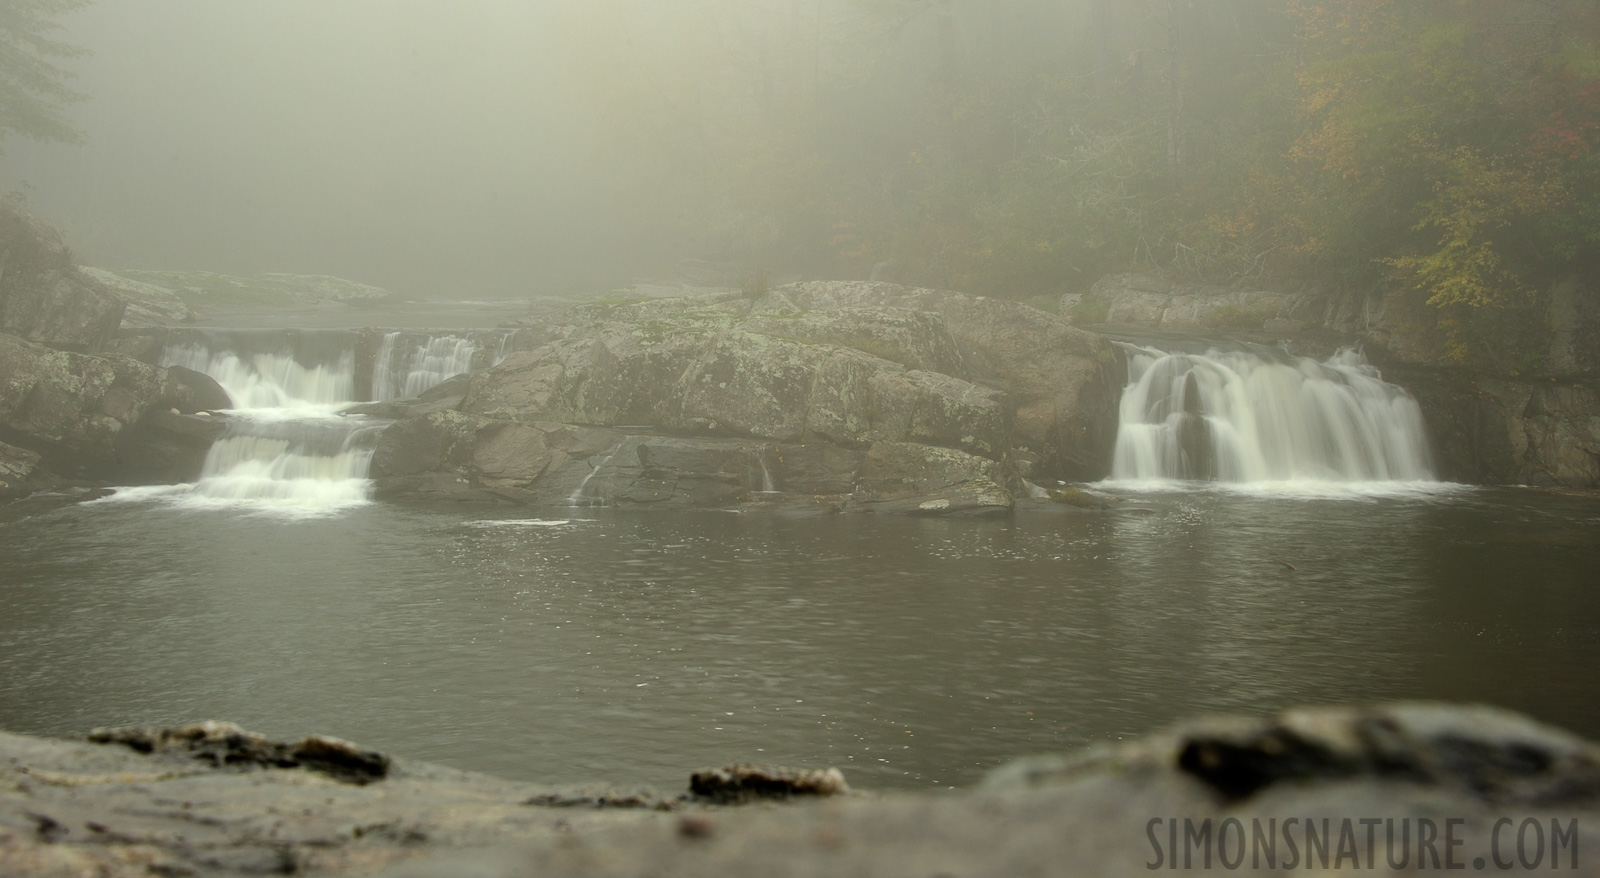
point(1244, 417)
point(306, 463)
point(286, 448)
point(270, 380)
point(403, 369)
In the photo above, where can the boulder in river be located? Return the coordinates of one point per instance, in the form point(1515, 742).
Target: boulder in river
point(865, 397)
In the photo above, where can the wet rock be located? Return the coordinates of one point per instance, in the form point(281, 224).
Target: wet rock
point(227, 745)
point(16, 464)
point(77, 411)
point(1062, 385)
point(1501, 431)
point(456, 456)
point(743, 783)
point(166, 447)
point(898, 477)
point(205, 394)
point(442, 397)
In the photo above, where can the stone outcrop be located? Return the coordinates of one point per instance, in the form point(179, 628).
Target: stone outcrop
point(1063, 384)
point(456, 456)
point(148, 305)
point(1142, 300)
point(73, 407)
point(215, 800)
point(44, 298)
point(1502, 431)
point(855, 397)
point(97, 417)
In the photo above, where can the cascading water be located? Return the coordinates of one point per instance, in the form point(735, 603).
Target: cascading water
point(286, 447)
point(1243, 417)
point(274, 380)
point(403, 369)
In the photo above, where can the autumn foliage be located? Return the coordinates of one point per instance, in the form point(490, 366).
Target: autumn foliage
point(1438, 151)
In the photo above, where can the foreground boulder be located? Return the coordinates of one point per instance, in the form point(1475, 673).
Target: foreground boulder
point(840, 396)
point(1395, 789)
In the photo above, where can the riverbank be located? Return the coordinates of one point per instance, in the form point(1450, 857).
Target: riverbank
point(214, 800)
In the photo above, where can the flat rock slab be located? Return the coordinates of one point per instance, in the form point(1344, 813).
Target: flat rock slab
point(1326, 787)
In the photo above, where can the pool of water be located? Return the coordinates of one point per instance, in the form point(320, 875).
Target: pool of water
point(580, 644)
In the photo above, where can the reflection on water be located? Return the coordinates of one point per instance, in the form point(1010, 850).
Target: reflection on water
point(908, 651)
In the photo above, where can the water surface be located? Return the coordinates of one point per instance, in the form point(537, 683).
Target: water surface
point(911, 652)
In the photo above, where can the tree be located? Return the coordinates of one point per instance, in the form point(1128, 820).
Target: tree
point(33, 88)
point(1455, 142)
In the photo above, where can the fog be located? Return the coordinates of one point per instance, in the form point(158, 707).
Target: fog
point(1021, 148)
point(495, 147)
point(422, 145)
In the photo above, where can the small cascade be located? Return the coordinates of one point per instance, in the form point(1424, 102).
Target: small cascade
point(286, 448)
point(308, 462)
point(764, 472)
point(580, 495)
point(1246, 417)
point(405, 369)
point(504, 347)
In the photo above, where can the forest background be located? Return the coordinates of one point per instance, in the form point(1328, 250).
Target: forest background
point(1441, 152)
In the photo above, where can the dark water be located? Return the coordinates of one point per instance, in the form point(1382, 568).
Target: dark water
point(911, 652)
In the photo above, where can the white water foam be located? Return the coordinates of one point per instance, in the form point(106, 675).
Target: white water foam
point(286, 450)
point(270, 381)
point(401, 371)
point(302, 464)
point(1262, 425)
